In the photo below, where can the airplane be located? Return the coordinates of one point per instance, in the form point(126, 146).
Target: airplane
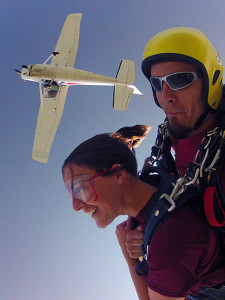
point(55, 78)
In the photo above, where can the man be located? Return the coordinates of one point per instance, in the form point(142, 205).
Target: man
point(189, 114)
point(185, 73)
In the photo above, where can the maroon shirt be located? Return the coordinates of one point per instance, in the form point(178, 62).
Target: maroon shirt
point(184, 252)
point(185, 151)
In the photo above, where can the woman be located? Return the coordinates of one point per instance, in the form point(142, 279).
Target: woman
point(101, 177)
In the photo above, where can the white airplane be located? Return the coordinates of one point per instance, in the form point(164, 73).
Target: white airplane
point(59, 75)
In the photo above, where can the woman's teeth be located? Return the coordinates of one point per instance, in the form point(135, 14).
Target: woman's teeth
point(92, 211)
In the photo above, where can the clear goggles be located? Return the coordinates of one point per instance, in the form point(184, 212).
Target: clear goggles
point(82, 187)
point(176, 81)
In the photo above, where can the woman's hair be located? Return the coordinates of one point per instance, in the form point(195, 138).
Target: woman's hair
point(103, 150)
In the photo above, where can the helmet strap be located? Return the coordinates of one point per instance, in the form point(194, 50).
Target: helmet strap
point(201, 119)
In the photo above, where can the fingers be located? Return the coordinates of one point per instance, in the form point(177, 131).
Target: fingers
point(130, 240)
point(140, 228)
point(136, 234)
point(134, 242)
point(135, 252)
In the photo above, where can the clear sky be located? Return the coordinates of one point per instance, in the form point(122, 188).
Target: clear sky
point(47, 252)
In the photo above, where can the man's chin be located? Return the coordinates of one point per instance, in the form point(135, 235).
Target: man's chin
point(179, 132)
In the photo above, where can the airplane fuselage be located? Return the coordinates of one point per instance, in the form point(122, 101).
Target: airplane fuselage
point(65, 75)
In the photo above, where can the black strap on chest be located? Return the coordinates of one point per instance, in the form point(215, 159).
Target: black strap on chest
point(161, 151)
point(171, 195)
point(204, 171)
point(202, 174)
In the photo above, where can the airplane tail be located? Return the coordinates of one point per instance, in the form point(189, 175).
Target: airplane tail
point(123, 93)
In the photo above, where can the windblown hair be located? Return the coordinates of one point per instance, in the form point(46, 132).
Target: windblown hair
point(132, 136)
point(103, 150)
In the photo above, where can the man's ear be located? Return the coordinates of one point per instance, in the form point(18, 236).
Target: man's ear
point(119, 175)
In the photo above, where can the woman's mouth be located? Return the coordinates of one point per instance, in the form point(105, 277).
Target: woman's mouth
point(92, 211)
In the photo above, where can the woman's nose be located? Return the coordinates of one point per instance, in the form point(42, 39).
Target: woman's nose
point(78, 204)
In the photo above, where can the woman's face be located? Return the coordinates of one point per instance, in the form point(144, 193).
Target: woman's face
point(100, 196)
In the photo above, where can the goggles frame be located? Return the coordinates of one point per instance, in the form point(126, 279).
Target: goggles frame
point(70, 183)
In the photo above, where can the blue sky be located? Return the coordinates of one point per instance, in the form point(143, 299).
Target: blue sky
point(47, 251)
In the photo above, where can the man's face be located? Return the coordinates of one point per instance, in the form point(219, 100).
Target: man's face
point(182, 107)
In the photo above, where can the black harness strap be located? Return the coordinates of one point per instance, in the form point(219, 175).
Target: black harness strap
point(167, 200)
point(161, 151)
point(175, 191)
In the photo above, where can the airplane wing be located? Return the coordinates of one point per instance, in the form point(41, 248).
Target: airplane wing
point(67, 44)
point(50, 113)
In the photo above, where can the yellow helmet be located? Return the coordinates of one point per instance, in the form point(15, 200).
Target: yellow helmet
point(191, 46)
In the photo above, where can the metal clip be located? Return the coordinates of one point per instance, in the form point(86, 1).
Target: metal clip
point(210, 167)
point(203, 162)
point(178, 189)
point(194, 179)
point(145, 256)
point(170, 200)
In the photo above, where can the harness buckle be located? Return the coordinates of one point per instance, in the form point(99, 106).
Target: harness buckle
point(178, 189)
point(170, 200)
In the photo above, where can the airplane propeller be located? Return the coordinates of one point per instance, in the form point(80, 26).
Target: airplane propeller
point(17, 71)
point(23, 67)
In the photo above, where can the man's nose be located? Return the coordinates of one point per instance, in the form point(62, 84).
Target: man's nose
point(78, 204)
point(168, 94)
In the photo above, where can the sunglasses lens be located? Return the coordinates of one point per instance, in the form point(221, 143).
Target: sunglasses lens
point(180, 80)
point(156, 83)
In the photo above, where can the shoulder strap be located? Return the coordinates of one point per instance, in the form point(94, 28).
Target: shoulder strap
point(172, 194)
